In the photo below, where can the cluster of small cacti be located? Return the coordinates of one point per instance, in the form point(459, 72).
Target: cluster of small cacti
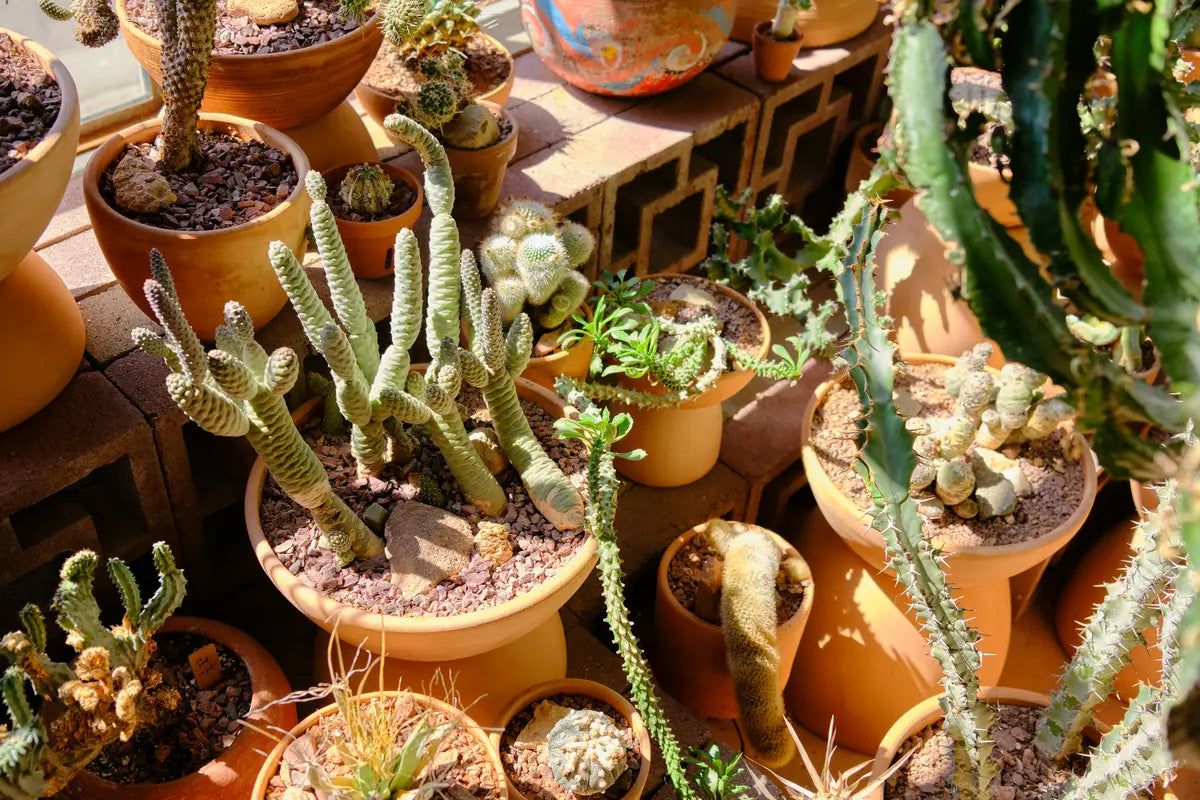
point(95, 21)
point(586, 752)
point(423, 28)
point(531, 260)
point(366, 188)
point(442, 103)
point(103, 696)
point(958, 466)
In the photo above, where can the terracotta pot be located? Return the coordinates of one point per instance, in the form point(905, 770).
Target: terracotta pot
point(683, 442)
point(991, 192)
point(369, 245)
point(863, 156)
point(596, 691)
point(1086, 588)
point(690, 655)
point(965, 565)
point(479, 174)
point(41, 338)
point(271, 767)
point(864, 658)
point(209, 267)
point(31, 189)
point(627, 49)
point(379, 104)
point(230, 775)
point(339, 137)
point(277, 89)
point(1144, 497)
point(826, 22)
point(773, 57)
point(927, 713)
point(1123, 253)
point(421, 638)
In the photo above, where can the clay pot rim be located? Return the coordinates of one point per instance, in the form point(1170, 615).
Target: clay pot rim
point(561, 352)
point(501, 114)
point(496, 45)
point(258, 661)
point(597, 691)
point(799, 616)
point(68, 106)
point(395, 172)
point(763, 34)
point(860, 138)
point(368, 29)
point(817, 475)
point(146, 131)
point(270, 766)
point(295, 590)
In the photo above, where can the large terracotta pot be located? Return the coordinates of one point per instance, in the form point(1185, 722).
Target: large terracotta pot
point(369, 245)
point(209, 267)
point(596, 691)
point(826, 22)
point(379, 104)
point(965, 565)
point(864, 658)
point(41, 329)
point(773, 57)
point(479, 174)
point(271, 767)
point(683, 443)
point(421, 638)
point(231, 775)
point(617, 47)
point(277, 89)
point(690, 655)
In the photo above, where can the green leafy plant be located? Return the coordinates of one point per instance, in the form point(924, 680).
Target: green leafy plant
point(716, 778)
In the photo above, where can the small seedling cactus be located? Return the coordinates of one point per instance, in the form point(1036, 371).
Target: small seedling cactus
point(366, 188)
point(442, 103)
point(104, 695)
point(531, 260)
point(587, 753)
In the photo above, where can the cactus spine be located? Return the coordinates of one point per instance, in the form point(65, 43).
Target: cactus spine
point(237, 390)
point(587, 754)
point(366, 188)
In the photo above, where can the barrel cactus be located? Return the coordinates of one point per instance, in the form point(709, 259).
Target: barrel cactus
point(587, 753)
point(366, 188)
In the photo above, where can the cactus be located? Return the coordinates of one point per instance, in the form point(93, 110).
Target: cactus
point(442, 102)
point(366, 188)
point(105, 694)
point(96, 23)
point(237, 390)
point(587, 753)
point(531, 259)
point(418, 28)
point(787, 14)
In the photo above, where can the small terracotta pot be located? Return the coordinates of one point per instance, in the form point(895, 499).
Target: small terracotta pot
point(965, 565)
point(271, 767)
point(209, 267)
point(691, 659)
point(277, 89)
point(683, 443)
point(596, 691)
point(421, 638)
point(479, 174)
point(991, 192)
point(773, 57)
point(379, 104)
point(928, 712)
point(369, 245)
point(826, 22)
point(31, 189)
point(230, 775)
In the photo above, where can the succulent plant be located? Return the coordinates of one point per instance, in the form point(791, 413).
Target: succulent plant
point(421, 28)
point(366, 188)
point(442, 103)
point(587, 753)
point(787, 14)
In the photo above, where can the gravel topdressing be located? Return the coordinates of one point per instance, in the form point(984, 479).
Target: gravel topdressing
point(29, 102)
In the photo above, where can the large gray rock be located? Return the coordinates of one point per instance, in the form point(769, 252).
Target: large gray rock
point(426, 545)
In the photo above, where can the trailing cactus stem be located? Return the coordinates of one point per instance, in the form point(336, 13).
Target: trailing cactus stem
point(477, 484)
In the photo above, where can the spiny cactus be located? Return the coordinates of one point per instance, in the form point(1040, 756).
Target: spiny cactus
point(587, 753)
point(105, 694)
point(418, 28)
point(531, 259)
point(237, 390)
point(366, 188)
point(95, 22)
point(374, 391)
point(442, 102)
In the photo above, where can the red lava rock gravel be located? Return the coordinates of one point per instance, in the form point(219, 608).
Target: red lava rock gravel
point(29, 102)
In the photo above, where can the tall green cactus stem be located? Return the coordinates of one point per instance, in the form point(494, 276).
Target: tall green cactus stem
point(1115, 627)
point(237, 390)
point(749, 623)
point(491, 365)
point(886, 462)
point(187, 28)
point(600, 432)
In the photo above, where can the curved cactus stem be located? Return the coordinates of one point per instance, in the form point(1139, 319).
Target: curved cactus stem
point(304, 299)
point(477, 484)
point(167, 598)
point(35, 624)
point(131, 596)
point(78, 611)
point(517, 345)
point(406, 291)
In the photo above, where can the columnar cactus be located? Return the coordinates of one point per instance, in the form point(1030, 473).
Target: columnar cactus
point(105, 694)
point(237, 390)
point(366, 188)
point(587, 754)
point(531, 260)
point(787, 13)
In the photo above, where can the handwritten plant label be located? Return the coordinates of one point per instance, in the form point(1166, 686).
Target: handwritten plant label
point(206, 666)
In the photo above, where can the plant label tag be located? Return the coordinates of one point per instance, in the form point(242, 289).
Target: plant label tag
point(206, 666)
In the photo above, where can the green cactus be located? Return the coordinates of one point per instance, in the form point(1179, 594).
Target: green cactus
point(237, 390)
point(531, 259)
point(105, 694)
point(366, 188)
point(421, 28)
point(587, 753)
point(787, 14)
